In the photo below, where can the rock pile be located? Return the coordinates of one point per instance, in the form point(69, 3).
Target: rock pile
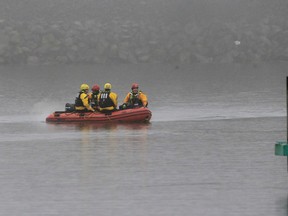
point(139, 42)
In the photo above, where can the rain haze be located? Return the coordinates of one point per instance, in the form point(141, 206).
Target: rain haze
point(215, 75)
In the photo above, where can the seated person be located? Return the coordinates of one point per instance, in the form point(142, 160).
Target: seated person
point(94, 97)
point(107, 99)
point(82, 102)
point(135, 98)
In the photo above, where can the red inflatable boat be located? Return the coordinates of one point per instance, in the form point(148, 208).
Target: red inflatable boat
point(140, 114)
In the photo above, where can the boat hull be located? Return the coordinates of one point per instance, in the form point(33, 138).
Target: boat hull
point(140, 114)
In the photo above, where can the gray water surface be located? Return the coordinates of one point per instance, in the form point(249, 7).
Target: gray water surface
point(209, 149)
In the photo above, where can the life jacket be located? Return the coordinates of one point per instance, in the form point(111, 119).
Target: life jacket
point(105, 100)
point(134, 99)
point(94, 99)
point(78, 101)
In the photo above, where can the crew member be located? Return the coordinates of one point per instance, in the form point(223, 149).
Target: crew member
point(82, 101)
point(135, 98)
point(108, 100)
point(94, 97)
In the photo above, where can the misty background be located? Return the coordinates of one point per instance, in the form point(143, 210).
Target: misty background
point(39, 32)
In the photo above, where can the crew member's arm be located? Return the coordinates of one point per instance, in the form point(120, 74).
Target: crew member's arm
point(127, 98)
point(85, 100)
point(114, 98)
point(144, 99)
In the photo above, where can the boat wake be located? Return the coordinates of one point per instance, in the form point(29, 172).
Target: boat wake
point(215, 112)
point(201, 109)
point(164, 114)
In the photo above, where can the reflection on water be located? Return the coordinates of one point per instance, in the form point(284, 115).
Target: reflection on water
point(107, 136)
point(91, 126)
point(282, 202)
point(110, 145)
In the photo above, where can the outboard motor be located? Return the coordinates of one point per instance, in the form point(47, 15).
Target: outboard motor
point(69, 107)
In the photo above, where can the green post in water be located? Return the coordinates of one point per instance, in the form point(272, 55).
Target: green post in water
point(281, 147)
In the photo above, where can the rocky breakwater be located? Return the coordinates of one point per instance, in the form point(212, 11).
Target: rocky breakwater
point(118, 41)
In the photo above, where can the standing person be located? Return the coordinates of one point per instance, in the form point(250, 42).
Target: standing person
point(82, 102)
point(135, 98)
point(94, 97)
point(108, 100)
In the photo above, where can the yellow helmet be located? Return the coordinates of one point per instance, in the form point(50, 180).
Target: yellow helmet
point(107, 86)
point(84, 87)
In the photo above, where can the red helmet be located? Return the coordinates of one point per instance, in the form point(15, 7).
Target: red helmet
point(134, 86)
point(95, 88)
